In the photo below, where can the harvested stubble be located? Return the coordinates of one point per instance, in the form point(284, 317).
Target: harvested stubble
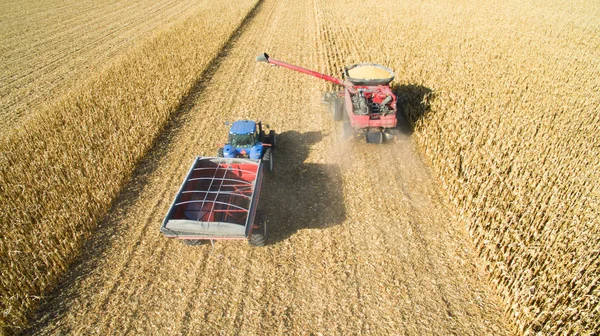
point(513, 133)
point(60, 170)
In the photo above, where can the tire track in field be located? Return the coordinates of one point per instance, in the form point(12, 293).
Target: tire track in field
point(260, 302)
point(332, 50)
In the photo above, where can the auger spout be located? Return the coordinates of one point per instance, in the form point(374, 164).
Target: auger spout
point(265, 58)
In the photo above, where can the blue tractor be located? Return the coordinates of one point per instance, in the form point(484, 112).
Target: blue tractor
point(247, 139)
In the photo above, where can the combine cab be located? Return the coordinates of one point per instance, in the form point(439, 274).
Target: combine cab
point(367, 104)
point(217, 200)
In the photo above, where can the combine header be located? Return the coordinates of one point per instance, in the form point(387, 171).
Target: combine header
point(367, 104)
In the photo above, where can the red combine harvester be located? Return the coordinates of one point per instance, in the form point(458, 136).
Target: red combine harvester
point(367, 105)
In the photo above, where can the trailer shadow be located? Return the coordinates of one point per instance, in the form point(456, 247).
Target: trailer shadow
point(300, 195)
point(413, 104)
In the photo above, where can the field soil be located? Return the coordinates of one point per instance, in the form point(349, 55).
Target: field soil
point(47, 46)
point(361, 239)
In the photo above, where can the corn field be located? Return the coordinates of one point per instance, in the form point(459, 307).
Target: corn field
point(482, 218)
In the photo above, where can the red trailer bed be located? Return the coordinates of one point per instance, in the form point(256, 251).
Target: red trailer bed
point(217, 200)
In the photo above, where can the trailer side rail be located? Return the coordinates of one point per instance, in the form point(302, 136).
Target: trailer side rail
point(218, 194)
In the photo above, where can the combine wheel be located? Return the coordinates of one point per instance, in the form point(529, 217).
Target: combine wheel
point(337, 109)
point(268, 159)
point(375, 137)
point(347, 130)
point(389, 135)
point(194, 242)
point(326, 98)
point(220, 152)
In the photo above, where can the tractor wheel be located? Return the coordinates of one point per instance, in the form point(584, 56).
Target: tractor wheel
point(262, 137)
point(194, 242)
point(220, 152)
point(268, 160)
point(337, 109)
point(272, 139)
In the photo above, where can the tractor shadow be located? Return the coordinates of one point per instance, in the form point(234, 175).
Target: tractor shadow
point(300, 195)
point(413, 104)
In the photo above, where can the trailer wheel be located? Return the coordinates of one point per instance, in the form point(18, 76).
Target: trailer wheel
point(337, 109)
point(257, 239)
point(268, 159)
point(259, 235)
point(194, 242)
point(220, 152)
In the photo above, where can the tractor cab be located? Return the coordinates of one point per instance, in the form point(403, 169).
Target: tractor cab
point(243, 134)
point(243, 140)
point(247, 139)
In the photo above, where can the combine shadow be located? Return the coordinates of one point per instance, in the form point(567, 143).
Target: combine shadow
point(300, 195)
point(413, 103)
